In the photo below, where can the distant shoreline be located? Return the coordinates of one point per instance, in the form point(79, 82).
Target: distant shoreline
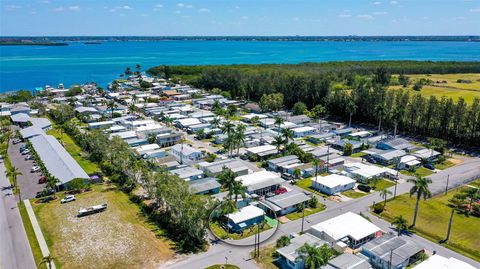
point(56, 40)
point(23, 43)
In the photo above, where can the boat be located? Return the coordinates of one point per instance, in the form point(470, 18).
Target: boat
point(91, 210)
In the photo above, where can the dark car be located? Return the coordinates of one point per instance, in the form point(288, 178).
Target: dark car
point(42, 180)
point(45, 192)
point(429, 166)
point(364, 188)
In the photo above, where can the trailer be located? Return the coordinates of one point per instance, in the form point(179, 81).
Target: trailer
point(91, 210)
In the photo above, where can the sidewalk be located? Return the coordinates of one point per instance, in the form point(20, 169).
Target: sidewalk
point(38, 232)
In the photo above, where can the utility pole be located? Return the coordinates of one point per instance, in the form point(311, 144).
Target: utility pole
point(328, 157)
point(390, 260)
point(255, 247)
point(303, 218)
point(450, 225)
point(446, 187)
point(395, 190)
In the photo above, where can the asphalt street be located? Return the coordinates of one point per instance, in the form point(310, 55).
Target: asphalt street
point(15, 250)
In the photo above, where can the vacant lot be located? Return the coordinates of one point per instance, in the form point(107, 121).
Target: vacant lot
point(433, 218)
point(447, 85)
point(116, 238)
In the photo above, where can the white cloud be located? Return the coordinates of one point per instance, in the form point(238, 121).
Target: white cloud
point(365, 17)
point(178, 12)
point(380, 13)
point(295, 19)
point(377, 3)
point(394, 2)
point(12, 7)
point(345, 14)
point(475, 10)
point(74, 8)
point(237, 7)
point(44, 2)
point(159, 6)
point(459, 18)
point(124, 7)
point(205, 10)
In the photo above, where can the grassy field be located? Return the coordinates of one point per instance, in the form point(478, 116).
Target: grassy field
point(37, 253)
point(382, 184)
point(220, 232)
point(444, 165)
point(308, 211)
point(358, 155)
point(354, 194)
point(266, 259)
point(432, 222)
point(451, 88)
point(421, 171)
point(120, 237)
point(74, 150)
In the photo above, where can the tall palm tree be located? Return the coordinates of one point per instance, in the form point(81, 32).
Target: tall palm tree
point(132, 109)
point(13, 173)
point(380, 112)
point(240, 136)
point(216, 122)
point(278, 142)
point(400, 224)
point(420, 189)
point(472, 194)
point(384, 194)
point(351, 108)
point(48, 260)
point(112, 105)
point(168, 121)
point(287, 135)
point(278, 121)
point(227, 179)
point(237, 190)
point(228, 129)
point(315, 257)
point(396, 116)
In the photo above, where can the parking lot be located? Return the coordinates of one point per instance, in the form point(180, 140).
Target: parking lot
point(27, 181)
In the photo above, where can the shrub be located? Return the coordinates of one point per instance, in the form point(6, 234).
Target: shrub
point(378, 208)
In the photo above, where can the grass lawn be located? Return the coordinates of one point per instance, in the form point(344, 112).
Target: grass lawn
point(382, 184)
point(266, 260)
point(432, 222)
point(223, 266)
point(37, 253)
point(446, 164)
point(358, 155)
point(451, 89)
point(120, 237)
point(74, 150)
point(220, 232)
point(306, 184)
point(308, 211)
point(421, 171)
point(354, 194)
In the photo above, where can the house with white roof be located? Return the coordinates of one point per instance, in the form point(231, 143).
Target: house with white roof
point(245, 217)
point(364, 172)
point(347, 230)
point(261, 182)
point(426, 154)
point(261, 151)
point(439, 262)
point(185, 154)
point(333, 184)
point(303, 131)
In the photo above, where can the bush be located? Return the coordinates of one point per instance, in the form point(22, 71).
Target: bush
point(313, 203)
point(283, 241)
point(378, 208)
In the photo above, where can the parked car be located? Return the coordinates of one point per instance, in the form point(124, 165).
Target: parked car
point(287, 176)
point(45, 192)
point(35, 169)
point(28, 157)
point(23, 147)
point(68, 198)
point(364, 188)
point(280, 191)
point(25, 152)
point(16, 141)
point(429, 166)
point(42, 180)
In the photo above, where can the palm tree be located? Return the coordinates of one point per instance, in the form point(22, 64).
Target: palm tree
point(112, 105)
point(227, 179)
point(168, 121)
point(237, 190)
point(216, 122)
point(400, 224)
point(278, 121)
point(396, 116)
point(132, 109)
point(384, 194)
point(278, 142)
point(316, 163)
point(52, 183)
point(420, 188)
point(374, 181)
point(13, 173)
point(297, 173)
point(48, 260)
point(315, 257)
point(471, 194)
point(351, 109)
point(240, 136)
point(380, 111)
point(287, 135)
point(228, 129)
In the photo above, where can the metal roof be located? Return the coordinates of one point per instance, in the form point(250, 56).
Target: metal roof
point(31, 132)
point(204, 184)
point(41, 122)
point(350, 261)
point(402, 248)
point(56, 159)
point(291, 198)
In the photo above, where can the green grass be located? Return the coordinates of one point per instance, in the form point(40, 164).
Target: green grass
point(119, 232)
point(266, 259)
point(446, 164)
point(223, 266)
point(74, 150)
point(358, 155)
point(32, 239)
point(382, 184)
point(432, 222)
point(220, 232)
point(308, 211)
point(354, 194)
point(306, 184)
point(421, 171)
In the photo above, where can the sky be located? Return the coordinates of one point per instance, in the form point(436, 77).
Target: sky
point(239, 17)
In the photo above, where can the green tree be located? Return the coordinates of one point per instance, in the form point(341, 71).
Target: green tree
point(347, 149)
point(420, 189)
point(278, 142)
point(318, 111)
point(237, 190)
point(227, 179)
point(299, 108)
point(239, 136)
point(384, 194)
point(13, 173)
point(396, 116)
point(287, 135)
point(351, 108)
point(297, 173)
point(112, 106)
point(315, 257)
point(47, 260)
point(400, 224)
point(313, 202)
point(278, 122)
point(380, 113)
point(283, 241)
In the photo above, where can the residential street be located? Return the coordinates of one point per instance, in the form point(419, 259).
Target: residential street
point(15, 250)
point(239, 256)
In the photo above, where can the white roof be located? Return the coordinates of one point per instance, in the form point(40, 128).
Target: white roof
point(140, 122)
point(364, 170)
point(255, 178)
point(303, 129)
point(287, 124)
point(189, 121)
point(348, 224)
point(439, 262)
point(146, 148)
point(125, 135)
point(426, 153)
point(252, 115)
point(245, 213)
point(333, 180)
point(256, 150)
point(361, 134)
point(149, 127)
point(101, 123)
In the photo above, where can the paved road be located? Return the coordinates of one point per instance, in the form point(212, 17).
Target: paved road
point(15, 250)
point(28, 182)
point(459, 175)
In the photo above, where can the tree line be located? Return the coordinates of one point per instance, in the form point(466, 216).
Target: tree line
point(351, 90)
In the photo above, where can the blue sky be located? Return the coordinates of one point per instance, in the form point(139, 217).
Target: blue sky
point(240, 17)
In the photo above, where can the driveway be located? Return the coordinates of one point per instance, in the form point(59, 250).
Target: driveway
point(28, 182)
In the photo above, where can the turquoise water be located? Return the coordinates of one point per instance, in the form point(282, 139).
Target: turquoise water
point(26, 67)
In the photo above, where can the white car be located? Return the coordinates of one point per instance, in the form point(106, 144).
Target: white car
point(35, 169)
point(68, 198)
point(27, 151)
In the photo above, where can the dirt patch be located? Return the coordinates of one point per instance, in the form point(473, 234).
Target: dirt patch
point(455, 161)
